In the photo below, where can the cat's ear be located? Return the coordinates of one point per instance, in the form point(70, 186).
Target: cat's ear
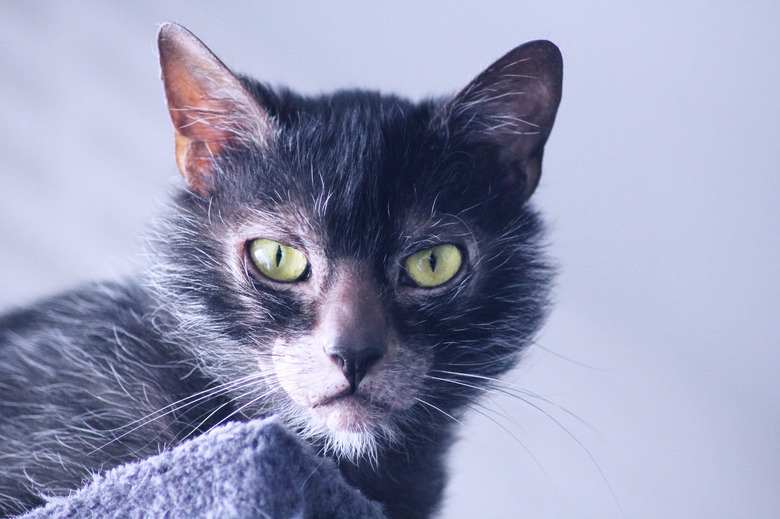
point(210, 108)
point(508, 112)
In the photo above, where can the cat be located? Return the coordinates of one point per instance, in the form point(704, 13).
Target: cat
point(360, 265)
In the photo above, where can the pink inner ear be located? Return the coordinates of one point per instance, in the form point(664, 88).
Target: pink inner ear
point(209, 107)
point(194, 160)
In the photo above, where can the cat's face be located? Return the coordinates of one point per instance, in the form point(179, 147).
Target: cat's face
point(355, 263)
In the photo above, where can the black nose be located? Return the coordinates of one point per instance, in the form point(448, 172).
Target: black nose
point(355, 355)
point(352, 328)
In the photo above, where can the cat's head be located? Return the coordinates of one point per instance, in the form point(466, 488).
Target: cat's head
point(357, 263)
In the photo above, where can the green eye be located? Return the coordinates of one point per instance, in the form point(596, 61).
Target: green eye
point(278, 262)
point(432, 267)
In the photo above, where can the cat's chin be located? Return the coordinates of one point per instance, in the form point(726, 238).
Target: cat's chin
point(349, 414)
point(351, 427)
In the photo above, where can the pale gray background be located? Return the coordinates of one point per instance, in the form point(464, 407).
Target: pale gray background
point(661, 183)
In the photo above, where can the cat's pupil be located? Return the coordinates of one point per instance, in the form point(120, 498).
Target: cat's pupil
point(278, 255)
point(432, 260)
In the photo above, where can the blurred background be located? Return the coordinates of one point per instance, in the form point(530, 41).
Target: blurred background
point(659, 366)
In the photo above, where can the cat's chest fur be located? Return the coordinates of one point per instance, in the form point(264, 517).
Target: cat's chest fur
point(357, 264)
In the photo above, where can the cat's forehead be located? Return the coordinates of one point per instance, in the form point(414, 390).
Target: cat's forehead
point(356, 174)
point(349, 137)
point(298, 224)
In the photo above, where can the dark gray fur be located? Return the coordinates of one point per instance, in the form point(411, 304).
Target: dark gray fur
point(90, 379)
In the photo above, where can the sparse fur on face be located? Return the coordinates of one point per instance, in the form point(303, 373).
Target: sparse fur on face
point(369, 366)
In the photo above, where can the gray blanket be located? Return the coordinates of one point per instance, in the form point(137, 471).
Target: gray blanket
point(241, 470)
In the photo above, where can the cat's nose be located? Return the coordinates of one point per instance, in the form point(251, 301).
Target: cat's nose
point(352, 328)
point(356, 357)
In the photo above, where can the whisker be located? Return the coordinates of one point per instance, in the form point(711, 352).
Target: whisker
point(190, 400)
point(514, 393)
point(567, 359)
point(241, 408)
point(210, 414)
point(483, 410)
point(445, 413)
point(176, 406)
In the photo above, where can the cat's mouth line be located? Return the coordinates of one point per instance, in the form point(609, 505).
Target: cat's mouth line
point(350, 413)
point(348, 398)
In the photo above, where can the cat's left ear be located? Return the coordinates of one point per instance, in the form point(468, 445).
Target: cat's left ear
point(507, 112)
point(210, 108)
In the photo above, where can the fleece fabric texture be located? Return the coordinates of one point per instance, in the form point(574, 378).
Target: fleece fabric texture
point(247, 470)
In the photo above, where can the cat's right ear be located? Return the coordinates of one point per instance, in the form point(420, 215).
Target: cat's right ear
point(210, 108)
